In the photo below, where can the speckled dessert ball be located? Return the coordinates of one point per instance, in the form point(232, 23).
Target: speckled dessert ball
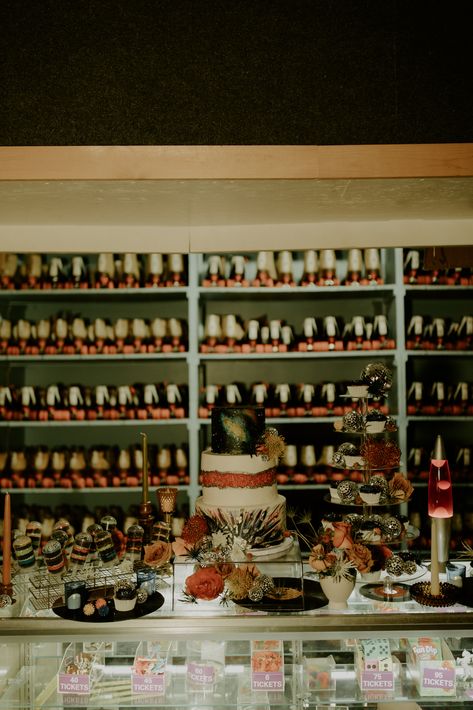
point(348, 491)
point(353, 421)
point(394, 565)
point(256, 593)
point(409, 567)
point(391, 528)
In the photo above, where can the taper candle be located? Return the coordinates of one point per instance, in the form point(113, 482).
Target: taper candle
point(145, 497)
point(6, 544)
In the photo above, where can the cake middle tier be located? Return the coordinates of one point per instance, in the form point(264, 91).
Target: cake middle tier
point(237, 480)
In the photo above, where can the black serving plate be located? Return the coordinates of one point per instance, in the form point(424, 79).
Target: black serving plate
point(312, 597)
point(154, 602)
point(466, 592)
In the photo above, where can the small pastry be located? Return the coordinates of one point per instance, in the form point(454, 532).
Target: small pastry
point(370, 493)
point(102, 611)
point(53, 556)
point(369, 531)
point(379, 480)
point(125, 596)
point(81, 548)
point(24, 552)
point(334, 494)
point(357, 389)
point(88, 609)
point(375, 421)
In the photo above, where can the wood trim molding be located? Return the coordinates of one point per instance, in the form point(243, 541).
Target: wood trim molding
point(235, 162)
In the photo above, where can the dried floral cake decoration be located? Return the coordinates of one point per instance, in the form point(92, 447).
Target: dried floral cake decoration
point(271, 445)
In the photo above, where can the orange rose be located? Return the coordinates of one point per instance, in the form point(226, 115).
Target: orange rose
point(206, 584)
point(341, 535)
point(158, 553)
point(180, 547)
point(320, 560)
point(361, 557)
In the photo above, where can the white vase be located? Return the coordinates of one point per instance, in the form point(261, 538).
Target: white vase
point(337, 590)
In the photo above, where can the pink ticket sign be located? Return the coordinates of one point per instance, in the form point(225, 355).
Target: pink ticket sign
point(267, 665)
point(267, 681)
point(439, 678)
point(148, 684)
point(201, 673)
point(73, 684)
point(377, 680)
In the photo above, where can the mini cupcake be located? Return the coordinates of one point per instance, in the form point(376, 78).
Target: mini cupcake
point(354, 462)
point(125, 596)
point(375, 421)
point(379, 480)
point(334, 495)
point(357, 389)
point(370, 493)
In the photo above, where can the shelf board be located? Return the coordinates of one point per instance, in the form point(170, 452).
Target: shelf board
point(298, 355)
point(222, 291)
point(437, 353)
point(439, 418)
point(69, 491)
point(97, 422)
point(119, 357)
point(83, 293)
point(437, 288)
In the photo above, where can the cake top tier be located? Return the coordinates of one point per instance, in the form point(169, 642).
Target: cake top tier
point(237, 430)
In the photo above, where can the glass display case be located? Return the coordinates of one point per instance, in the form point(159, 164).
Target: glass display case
point(373, 654)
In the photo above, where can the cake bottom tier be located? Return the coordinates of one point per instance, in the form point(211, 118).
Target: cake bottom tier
point(261, 526)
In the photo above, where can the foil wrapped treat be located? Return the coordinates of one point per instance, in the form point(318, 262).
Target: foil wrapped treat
point(348, 491)
point(378, 378)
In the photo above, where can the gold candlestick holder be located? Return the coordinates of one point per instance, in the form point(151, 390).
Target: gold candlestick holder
point(167, 504)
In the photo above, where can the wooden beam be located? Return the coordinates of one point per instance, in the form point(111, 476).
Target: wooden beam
point(235, 162)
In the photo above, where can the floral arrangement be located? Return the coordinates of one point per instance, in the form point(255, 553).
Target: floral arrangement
point(223, 565)
point(333, 552)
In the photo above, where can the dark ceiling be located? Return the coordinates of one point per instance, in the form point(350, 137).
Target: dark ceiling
point(210, 72)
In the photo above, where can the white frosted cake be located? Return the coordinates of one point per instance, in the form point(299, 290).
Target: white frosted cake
point(239, 493)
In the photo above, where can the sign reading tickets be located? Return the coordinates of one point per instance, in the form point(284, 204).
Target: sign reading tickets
point(201, 673)
point(377, 680)
point(148, 684)
point(440, 678)
point(73, 684)
point(267, 665)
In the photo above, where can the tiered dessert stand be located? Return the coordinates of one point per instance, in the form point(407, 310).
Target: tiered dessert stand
point(373, 499)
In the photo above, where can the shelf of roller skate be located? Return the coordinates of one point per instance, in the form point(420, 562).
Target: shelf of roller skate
point(85, 293)
point(297, 355)
point(93, 489)
point(95, 422)
point(284, 290)
point(96, 357)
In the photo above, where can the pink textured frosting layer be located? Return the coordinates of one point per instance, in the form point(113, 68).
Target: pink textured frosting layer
point(217, 479)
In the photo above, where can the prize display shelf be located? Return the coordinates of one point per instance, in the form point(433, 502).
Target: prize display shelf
point(316, 655)
point(393, 298)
